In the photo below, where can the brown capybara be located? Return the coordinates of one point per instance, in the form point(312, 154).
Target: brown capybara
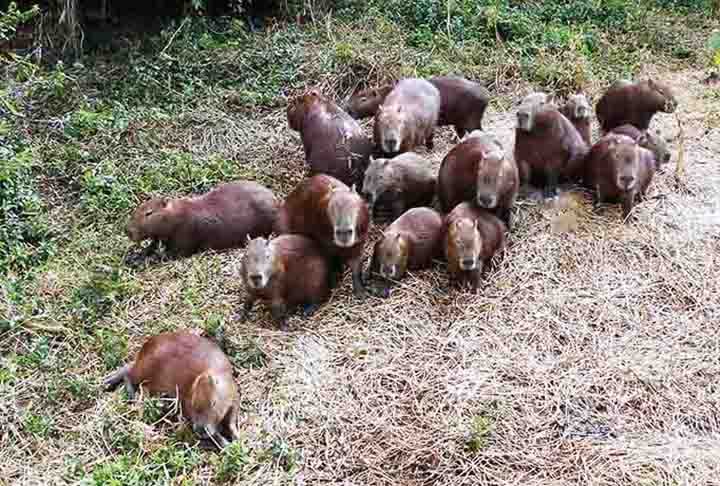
point(193, 369)
point(472, 236)
point(408, 117)
point(577, 110)
point(365, 103)
point(654, 142)
point(409, 243)
point(334, 143)
point(634, 103)
point(547, 148)
point(405, 181)
point(219, 219)
point(462, 103)
point(335, 216)
point(477, 170)
point(285, 272)
point(619, 170)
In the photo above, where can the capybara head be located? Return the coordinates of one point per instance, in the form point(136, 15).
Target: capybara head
point(579, 106)
point(661, 96)
point(392, 254)
point(465, 238)
point(624, 154)
point(655, 143)
point(211, 398)
point(344, 211)
point(365, 103)
point(527, 109)
point(490, 178)
point(297, 108)
point(152, 219)
point(392, 122)
point(376, 175)
point(259, 263)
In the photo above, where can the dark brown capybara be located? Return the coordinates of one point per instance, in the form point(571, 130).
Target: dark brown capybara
point(478, 171)
point(654, 142)
point(405, 181)
point(193, 369)
point(462, 103)
point(548, 148)
point(365, 103)
point(634, 103)
point(219, 219)
point(619, 170)
point(472, 237)
point(409, 243)
point(285, 272)
point(335, 216)
point(577, 110)
point(334, 143)
point(408, 117)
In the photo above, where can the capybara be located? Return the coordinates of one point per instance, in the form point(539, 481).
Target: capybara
point(619, 170)
point(407, 118)
point(405, 181)
point(335, 216)
point(285, 272)
point(547, 148)
point(219, 219)
point(477, 170)
point(365, 103)
point(462, 103)
point(472, 236)
point(634, 103)
point(577, 110)
point(193, 369)
point(334, 143)
point(654, 142)
point(409, 243)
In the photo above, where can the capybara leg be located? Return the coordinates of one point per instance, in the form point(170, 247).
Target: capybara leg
point(430, 140)
point(551, 183)
point(117, 377)
point(460, 132)
point(627, 204)
point(278, 310)
point(247, 307)
point(129, 387)
point(358, 285)
point(335, 271)
point(524, 172)
point(506, 215)
point(475, 277)
point(230, 423)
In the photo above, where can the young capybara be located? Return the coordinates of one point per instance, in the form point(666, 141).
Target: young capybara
point(365, 103)
point(577, 110)
point(193, 369)
point(477, 170)
point(405, 181)
point(335, 216)
point(409, 243)
point(219, 219)
point(462, 103)
point(285, 272)
point(334, 143)
point(619, 170)
point(547, 148)
point(654, 142)
point(407, 118)
point(472, 236)
point(634, 103)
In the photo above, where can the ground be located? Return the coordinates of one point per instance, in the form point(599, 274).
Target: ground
point(589, 357)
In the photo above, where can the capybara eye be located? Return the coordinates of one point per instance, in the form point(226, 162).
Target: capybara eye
point(148, 212)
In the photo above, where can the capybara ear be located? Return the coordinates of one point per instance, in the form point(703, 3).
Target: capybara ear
point(247, 237)
point(164, 201)
point(612, 142)
point(314, 92)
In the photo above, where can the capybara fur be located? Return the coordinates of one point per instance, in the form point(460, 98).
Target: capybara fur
point(193, 369)
point(365, 103)
point(335, 216)
point(334, 143)
point(219, 219)
point(477, 170)
point(548, 148)
point(634, 103)
point(472, 237)
point(577, 110)
point(285, 272)
point(409, 243)
point(619, 170)
point(405, 181)
point(654, 142)
point(407, 118)
point(462, 103)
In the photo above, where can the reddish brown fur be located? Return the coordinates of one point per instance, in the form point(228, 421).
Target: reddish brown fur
point(365, 103)
point(193, 367)
point(306, 211)
point(653, 142)
point(582, 124)
point(333, 141)
point(634, 103)
point(220, 219)
point(492, 241)
point(462, 103)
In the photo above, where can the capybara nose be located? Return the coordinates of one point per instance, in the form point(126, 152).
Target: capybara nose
point(256, 279)
point(626, 180)
point(485, 201)
point(667, 158)
point(468, 262)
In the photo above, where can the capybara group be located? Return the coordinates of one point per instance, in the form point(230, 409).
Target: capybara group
point(462, 103)
point(192, 369)
point(634, 103)
point(219, 219)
